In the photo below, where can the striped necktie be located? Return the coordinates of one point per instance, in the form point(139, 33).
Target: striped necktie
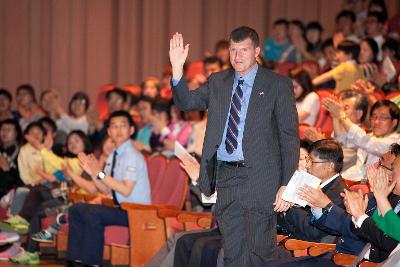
point(114, 161)
point(232, 130)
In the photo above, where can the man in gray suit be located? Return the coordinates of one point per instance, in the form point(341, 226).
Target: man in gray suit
point(251, 146)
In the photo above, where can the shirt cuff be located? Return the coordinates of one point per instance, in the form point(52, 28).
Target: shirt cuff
point(317, 213)
point(175, 82)
point(352, 133)
point(358, 223)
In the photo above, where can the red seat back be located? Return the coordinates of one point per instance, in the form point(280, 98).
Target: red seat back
point(284, 68)
point(156, 166)
point(172, 188)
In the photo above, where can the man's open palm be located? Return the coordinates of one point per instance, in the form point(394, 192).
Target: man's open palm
point(177, 54)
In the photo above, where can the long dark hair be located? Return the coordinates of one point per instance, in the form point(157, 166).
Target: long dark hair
point(303, 79)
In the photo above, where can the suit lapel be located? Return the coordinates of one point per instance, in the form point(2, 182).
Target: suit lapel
point(225, 99)
point(252, 107)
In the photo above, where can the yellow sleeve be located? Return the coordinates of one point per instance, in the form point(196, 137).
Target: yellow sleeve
point(337, 73)
point(51, 161)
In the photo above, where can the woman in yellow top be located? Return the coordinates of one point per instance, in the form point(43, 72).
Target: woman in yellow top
point(347, 72)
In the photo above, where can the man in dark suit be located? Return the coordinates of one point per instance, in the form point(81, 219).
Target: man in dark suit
point(325, 161)
point(251, 146)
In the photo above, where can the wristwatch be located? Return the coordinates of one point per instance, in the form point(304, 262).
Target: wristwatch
point(101, 175)
point(327, 208)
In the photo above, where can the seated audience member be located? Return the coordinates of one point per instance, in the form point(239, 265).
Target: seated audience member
point(222, 52)
point(374, 26)
point(76, 118)
point(275, 46)
point(299, 44)
point(354, 227)
point(314, 41)
point(355, 105)
point(368, 58)
point(327, 63)
point(347, 72)
point(49, 102)
point(345, 25)
point(384, 117)
point(142, 140)
point(125, 177)
point(307, 101)
point(10, 138)
point(160, 120)
point(391, 49)
point(44, 197)
point(27, 108)
point(324, 161)
point(211, 65)
point(382, 185)
point(116, 100)
point(5, 106)
point(151, 87)
point(58, 138)
point(84, 185)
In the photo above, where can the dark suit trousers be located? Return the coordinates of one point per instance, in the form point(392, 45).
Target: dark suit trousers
point(248, 230)
point(86, 231)
point(189, 247)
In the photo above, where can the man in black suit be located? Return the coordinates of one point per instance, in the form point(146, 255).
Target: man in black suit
point(325, 161)
point(251, 146)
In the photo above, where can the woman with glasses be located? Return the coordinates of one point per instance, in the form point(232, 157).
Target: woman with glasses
point(384, 119)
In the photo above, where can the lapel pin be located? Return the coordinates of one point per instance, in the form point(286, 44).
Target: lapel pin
point(261, 93)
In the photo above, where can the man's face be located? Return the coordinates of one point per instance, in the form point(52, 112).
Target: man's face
point(382, 123)
point(8, 135)
point(37, 133)
point(120, 130)
point(349, 106)
point(24, 97)
point(243, 55)
point(5, 104)
point(280, 32)
point(345, 25)
point(318, 167)
point(211, 68)
point(115, 102)
point(372, 26)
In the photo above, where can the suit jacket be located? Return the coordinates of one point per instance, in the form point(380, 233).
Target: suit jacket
point(297, 220)
point(270, 138)
point(353, 239)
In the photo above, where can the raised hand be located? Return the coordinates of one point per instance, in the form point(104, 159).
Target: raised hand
point(333, 106)
point(177, 55)
point(89, 164)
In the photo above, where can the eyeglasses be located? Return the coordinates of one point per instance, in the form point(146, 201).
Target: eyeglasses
point(310, 160)
point(383, 166)
point(381, 118)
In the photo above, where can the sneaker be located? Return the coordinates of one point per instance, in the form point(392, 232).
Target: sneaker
point(43, 237)
point(26, 258)
point(15, 224)
point(11, 252)
point(8, 237)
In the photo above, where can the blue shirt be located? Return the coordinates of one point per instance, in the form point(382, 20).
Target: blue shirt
point(130, 166)
point(237, 154)
point(273, 51)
